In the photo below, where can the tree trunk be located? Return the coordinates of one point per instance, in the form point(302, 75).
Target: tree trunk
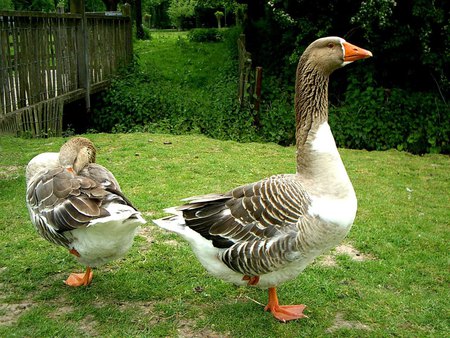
point(111, 5)
point(139, 28)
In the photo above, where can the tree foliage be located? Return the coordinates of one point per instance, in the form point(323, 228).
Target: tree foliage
point(50, 5)
point(181, 10)
point(6, 5)
point(157, 13)
point(406, 81)
point(410, 39)
point(187, 13)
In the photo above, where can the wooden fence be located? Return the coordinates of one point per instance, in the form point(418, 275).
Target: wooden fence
point(250, 81)
point(245, 70)
point(50, 59)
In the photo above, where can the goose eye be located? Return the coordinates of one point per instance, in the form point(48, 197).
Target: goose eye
point(330, 45)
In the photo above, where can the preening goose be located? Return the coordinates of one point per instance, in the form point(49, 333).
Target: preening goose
point(78, 204)
point(267, 232)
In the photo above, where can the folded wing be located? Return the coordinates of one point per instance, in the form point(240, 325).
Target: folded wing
point(256, 224)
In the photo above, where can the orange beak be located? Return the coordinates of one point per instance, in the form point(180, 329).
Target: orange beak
point(353, 53)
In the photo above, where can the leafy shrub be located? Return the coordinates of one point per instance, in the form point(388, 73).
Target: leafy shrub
point(230, 37)
point(205, 35)
point(277, 116)
point(147, 33)
point(126, 103)
point(375, 118)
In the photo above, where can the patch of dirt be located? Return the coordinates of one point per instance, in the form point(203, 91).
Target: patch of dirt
point(344, 249)
point(354, 254)
point(8, 172)
point(87, 325)
point(341, 323)
point(61, 308)
point(171, 242)
point(12, 312)
point(186, 328)
point(145, 308)
point(328, 261)
point(146, 233)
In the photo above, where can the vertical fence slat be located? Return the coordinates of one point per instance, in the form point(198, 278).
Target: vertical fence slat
point(6, 71)
point(40, 61)
point(20, 100)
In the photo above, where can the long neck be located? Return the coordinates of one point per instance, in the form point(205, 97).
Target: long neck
point(311, 107)
point(318, 161)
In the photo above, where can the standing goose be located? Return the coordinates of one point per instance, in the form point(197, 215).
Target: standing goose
point(267, 232)
point(78, 204)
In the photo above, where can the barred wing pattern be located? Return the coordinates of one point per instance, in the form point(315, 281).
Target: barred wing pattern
point(257, 224)
point(60, 201)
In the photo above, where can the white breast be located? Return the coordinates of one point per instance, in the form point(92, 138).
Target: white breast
point(333, 199)
point(107, 238)
point(340, 212)
point(324, 141)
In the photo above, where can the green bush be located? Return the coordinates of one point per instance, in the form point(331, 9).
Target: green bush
point(375, 118)
point(277, 116)
point(205, 35)
point(230, 37)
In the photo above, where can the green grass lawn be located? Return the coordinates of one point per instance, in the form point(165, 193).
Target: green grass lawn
point(170, 57)
point(397, 286)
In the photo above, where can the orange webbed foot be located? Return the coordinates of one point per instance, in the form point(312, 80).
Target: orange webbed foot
point(283, 312)
point(287, 312)
point(80, 279)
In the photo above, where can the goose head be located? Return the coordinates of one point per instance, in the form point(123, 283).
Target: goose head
point(330, 53)
point(76, 153)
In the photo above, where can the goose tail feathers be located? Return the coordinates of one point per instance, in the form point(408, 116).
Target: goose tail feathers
point(175, 222)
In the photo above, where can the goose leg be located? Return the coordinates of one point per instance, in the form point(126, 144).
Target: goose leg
point(283, 312)
point(251, 280)
point(80, 279)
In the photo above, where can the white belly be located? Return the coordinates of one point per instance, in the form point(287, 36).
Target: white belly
point(208, 256)
point(106, 239)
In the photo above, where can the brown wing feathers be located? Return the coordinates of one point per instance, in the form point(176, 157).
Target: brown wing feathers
point(68, 202)
point(255, 220)
point(200, 216)
point(250, 212)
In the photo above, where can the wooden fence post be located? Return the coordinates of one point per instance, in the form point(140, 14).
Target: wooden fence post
point(257, 98)
point(126, 9)
point(245, 64)
point(78, 7)
point(249, 91)
point(139, 29)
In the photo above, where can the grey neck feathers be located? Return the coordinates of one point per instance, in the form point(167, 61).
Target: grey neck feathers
point(311, 106)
